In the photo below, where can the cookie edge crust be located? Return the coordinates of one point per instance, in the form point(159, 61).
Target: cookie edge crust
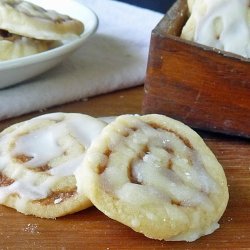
point(72, 205)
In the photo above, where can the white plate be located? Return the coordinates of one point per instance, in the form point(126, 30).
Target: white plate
point(17, 70)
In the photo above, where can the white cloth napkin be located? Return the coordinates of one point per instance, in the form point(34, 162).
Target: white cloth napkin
point(114, 58)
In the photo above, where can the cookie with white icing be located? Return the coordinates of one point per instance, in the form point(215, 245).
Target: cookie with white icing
point(15, 46)
point(27, 19)
point(38, 158)
point(155, 175)
point(221, 24)
point(190, 5)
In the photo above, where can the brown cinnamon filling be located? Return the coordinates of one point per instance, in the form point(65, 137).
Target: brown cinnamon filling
point(126, 134)
point(140, 156)
point(108, 152)
point(101, 168)
point(170, 165)
point(5, 181)
point(57, 197)
point(23, 158)
point(131, 177)
point(175, 202)
point(169, 150)
point(134, 129)
point(4, 34)
point(145, 151)
point(184, 140)
point(43, 168)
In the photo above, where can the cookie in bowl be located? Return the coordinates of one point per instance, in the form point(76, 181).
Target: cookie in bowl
point(27, 19)
point(14, 46)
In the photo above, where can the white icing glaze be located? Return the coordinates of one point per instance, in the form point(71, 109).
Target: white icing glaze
point(28, 187)
point(157, 176)
point(85, 131)
point(67, 168)
point(41, 145)
point(224, 25)
point(141, 195)
point(107, 119)
point(57, 201)
point(186, 182)
point(57, 140)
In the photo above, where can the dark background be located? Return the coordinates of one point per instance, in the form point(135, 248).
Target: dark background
point(157, 5)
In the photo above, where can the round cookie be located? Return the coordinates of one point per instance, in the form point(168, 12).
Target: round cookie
point(155, 175)
point(27, 19)
point(221, 24)
point(15, 46)
point(38, 158)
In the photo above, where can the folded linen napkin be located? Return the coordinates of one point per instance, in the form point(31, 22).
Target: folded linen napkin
point(114, 58)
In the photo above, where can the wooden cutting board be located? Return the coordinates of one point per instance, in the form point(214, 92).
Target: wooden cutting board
point(90, 229)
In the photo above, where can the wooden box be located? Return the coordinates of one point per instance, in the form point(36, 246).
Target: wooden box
point(201, 86)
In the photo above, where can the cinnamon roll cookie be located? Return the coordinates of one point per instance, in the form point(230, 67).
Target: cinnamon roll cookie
point(15, 46)
point(221, 24)
point(155, 175)
point(27, 19)
point(38, 158)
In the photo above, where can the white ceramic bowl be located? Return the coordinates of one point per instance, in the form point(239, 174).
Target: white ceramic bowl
point(17, 70)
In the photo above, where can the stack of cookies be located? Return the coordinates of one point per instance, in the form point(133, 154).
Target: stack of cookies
point(27, 29)
point(151, 173)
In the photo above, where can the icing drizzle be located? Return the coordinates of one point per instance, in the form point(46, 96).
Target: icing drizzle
point(163, 165)
point(223, 24)
point(57, 140)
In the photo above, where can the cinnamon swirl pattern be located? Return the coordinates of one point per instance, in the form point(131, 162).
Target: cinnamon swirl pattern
point(155, 175)
point(38, 158)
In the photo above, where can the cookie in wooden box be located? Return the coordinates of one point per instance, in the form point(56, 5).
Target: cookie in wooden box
point(203, 86)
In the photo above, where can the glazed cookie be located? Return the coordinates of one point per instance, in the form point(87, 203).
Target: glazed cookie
point(37, 160)
point(155, 175)
point(26, 19)
point(190, 5)
point(221, 24)
point(15, 46)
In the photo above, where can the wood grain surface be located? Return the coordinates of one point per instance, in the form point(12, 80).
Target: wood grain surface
point(90, 229)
